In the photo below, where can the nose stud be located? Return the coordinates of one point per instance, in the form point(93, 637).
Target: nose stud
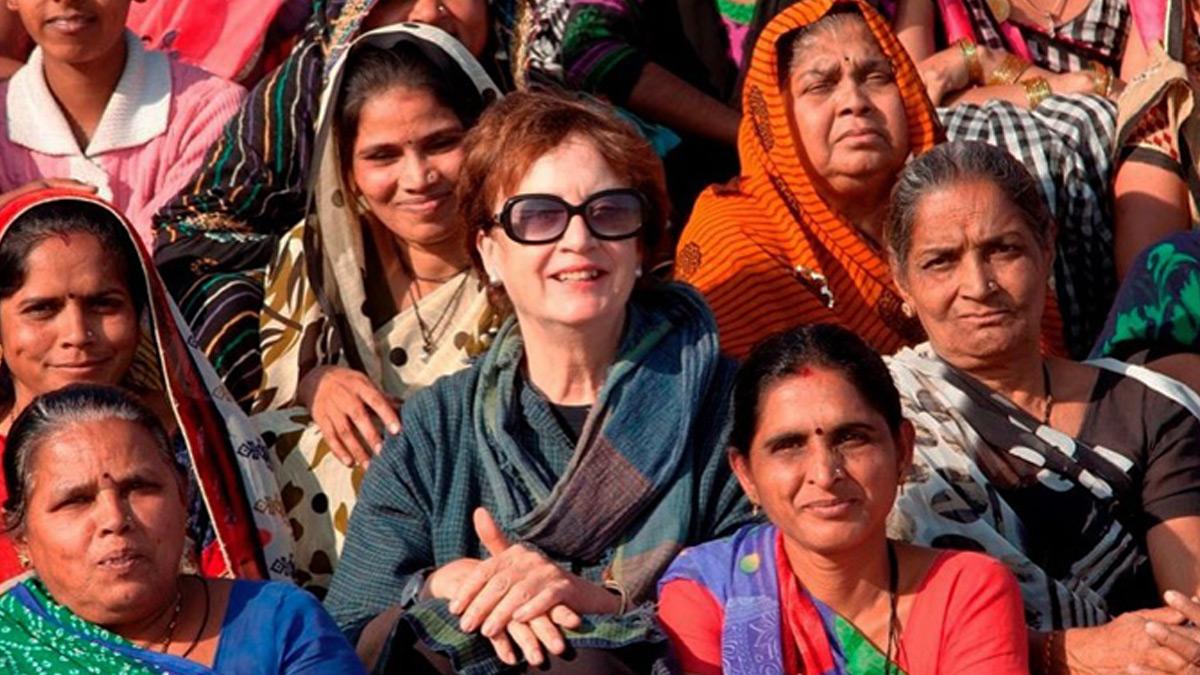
point(992, 285)
point(441, 9)
point(431, 175)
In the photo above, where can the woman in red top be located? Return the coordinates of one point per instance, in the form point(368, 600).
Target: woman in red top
point(819, 444)
point(80, 302)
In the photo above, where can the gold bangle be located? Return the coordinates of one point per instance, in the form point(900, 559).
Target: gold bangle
point(1102, 78)
point(1009, 70)
point(970, 55)
point(1036, 90)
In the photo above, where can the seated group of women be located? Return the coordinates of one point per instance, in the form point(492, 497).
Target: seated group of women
point(575, 477)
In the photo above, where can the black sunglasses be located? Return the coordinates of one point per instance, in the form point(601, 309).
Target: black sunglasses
point(541, 219)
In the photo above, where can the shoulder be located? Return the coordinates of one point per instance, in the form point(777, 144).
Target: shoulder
point(274, 596)
point(197, 88)
point(714, 563)
point(966, 574)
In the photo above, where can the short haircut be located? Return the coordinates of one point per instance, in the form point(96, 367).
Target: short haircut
point(523, 127)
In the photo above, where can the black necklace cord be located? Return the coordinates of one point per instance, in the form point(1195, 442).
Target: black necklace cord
point(203, 622)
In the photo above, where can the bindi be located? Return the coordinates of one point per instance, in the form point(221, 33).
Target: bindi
point(819, 431)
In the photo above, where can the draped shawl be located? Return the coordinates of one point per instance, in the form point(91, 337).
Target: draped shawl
point(229, 461)
point(767, 250)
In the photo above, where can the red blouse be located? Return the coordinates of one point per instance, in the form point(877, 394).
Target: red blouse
point(10, 565)
point(968, 617)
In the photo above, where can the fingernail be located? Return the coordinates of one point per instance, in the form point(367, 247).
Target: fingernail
point(1173, 597)
point(378, 448)
point(1156, 629)
point(488, 629)
point(393, 429)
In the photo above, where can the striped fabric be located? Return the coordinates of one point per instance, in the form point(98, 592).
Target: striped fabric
point(768, 252)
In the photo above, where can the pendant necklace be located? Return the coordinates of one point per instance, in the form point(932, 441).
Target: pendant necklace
point(431, 334)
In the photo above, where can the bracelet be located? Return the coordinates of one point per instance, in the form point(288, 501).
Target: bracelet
point(615, 586)
point(1009, 70)
point(971, 56)
point(1048, 652)
point(1037, 90)
point(1102, 78)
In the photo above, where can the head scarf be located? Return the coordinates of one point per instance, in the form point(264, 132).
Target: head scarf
point(754, 247)
point(229, 461)
point(333, 268)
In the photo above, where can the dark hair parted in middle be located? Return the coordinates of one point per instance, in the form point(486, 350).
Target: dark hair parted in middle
point(824, 345)
point(521, 128)
point(55, 412)
point(372, 70)
point(958, 162)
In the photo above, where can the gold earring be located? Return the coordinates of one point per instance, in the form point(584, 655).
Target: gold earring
point(754, 509)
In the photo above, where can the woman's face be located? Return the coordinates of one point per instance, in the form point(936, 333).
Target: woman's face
point(72, 321)
point(76, 32)
point(466, 20)
point(578, 280)
point(405, 164)
point(849, 116)
point(104, 520)
point(823, 464)
point(976, 275)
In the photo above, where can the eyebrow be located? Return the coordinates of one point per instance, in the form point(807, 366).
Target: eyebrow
point(36, 299)
point(436, 134)
point(61, 492)
point(792, 437)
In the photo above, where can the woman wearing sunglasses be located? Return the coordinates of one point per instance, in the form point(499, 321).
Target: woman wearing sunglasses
point(530, 503)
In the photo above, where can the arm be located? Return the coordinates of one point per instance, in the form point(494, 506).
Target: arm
point(1151, 203)
point(692, 618)
point(601, 54)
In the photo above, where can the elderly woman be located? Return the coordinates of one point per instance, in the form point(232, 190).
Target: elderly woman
point(578, 494)
point(819, 443)
point(96, 503)
point(1006, 434)
point(219, 233)
point(80, 301)
point(834, 108)
point(372, 296)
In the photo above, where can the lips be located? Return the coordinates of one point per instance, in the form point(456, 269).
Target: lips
point(82, 366)
point(578, 275)
point(836, 507)
point(423, 204)
point(70, 23)
point(121, 561)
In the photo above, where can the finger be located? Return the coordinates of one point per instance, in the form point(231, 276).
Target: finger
point(521, 593)
point(1179, 641)
point(382, 407)
point(551, 594)
point(504, 649)
point(565, 617)
point(1138, 669)
point(523, 635)
point(365, 426)
point(473, 583)
point(548, 634)
point(334, 441)
point(343, 429)
point(485, 601)
point(1189, 608)
point(490, 534)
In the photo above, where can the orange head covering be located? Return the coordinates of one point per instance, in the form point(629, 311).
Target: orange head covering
point(769, 252)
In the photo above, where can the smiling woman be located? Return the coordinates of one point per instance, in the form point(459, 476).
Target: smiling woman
point(819, 444)
point(81, 303)
point(371, 297)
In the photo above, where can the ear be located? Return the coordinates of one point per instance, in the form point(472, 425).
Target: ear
point(489, 253)
point(905, 444)
point(741, 469)
point(11, 5)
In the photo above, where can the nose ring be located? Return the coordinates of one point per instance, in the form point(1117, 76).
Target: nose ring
point(992, 285)
point(839, 471)
point(431, 176)
point(441, 9)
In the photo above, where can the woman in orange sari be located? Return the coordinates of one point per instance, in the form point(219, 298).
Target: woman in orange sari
point(833, 108)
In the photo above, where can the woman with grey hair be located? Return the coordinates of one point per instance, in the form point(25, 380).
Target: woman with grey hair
point(1006, 434)
point(96, 505)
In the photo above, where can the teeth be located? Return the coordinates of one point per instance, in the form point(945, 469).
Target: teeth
point(583, 275)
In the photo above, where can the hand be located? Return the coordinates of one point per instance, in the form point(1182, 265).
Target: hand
point(1178, 646)
point(944, 73)
point(46, 183)
point(1109, 649)
point(441, 584)
point(1073, 82)
point(341, 401)
point(520, 592)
